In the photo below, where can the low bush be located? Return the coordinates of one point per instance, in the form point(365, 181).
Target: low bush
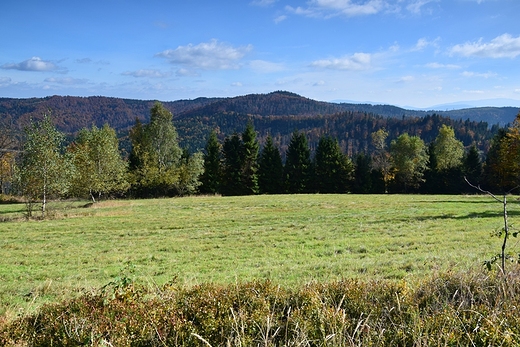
point(449, 309)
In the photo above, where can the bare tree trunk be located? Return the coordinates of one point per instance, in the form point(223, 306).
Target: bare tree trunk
point(506, 235)
point(44, 202)
point(506, 225)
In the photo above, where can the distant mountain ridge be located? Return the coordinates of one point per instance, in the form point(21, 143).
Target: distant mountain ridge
point(73, 113)
point(277, 114)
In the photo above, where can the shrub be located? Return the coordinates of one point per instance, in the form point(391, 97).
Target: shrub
point(446, 309)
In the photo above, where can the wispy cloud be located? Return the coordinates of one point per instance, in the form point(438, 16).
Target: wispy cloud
point(146, 73)
point(90, 61)
point(280, 19)
point(263, 3)
point(68, 81)
point(503, 46)
point(478, 74)
point(352, 8)
point(424, 43)
point(330, 8)
point(213, 55)
point(406, 79)
point(442, 66)
point(186, 72)
point(417, 6)
point(5, 81)
point(357, 62)
point(33, 64)
point(263, 66)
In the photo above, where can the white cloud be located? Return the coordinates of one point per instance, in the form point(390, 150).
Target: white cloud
point(473, 91)
point(424, 43)
point(503, 46)
point(33, 64)
point(146, 73)
point(478, 74)
point(319, 83)
point(263, 3)
point(263, 66)
point(213, 55)
point(68, 81)
point(236, 84)
point(357, 61)
point(330, 8)
point(442, 66)
point(280, 19)
point(5, 81)
point(416, 6)
point(186, 73)
point(406, 79)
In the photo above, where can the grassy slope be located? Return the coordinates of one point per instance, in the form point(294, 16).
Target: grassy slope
point(291, 239)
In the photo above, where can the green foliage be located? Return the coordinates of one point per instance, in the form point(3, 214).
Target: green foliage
point(298, 166)
point(232, 166)
point(99, 168)
point(363, 178)
point(270, 170)
point(472, 166)
point(333, 170)
point(44, 171)
point(460, 309)
point(249, 160)
point(211, 177)
point(156, 164)
point(448, 150)
point(409, 161)
point(503, 161)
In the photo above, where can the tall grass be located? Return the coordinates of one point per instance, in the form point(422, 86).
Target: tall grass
point(452, 309)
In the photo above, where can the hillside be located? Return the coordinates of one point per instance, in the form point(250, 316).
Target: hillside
point(278, 113)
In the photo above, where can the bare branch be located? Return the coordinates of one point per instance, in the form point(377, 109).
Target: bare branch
point(482, 190)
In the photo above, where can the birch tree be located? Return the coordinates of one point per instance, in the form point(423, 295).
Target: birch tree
point(43, 170)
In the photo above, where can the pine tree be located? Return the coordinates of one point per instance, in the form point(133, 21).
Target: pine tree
point(270, 171)
point(297, 169)
point(211, 177)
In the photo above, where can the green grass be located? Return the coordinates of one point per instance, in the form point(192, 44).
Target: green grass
point(289, 239)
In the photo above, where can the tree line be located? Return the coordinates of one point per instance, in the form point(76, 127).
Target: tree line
point(92, 166)
point(405, 165)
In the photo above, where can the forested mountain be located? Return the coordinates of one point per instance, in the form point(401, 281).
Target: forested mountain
point(278, 113)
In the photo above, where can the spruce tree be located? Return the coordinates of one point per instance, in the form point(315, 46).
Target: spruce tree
point(297, 167)
point(212, 166)
point(362, 175)
point(270, 171)
point(249, 161)
point(473, 166)
point(330, 172)
point(232, 166)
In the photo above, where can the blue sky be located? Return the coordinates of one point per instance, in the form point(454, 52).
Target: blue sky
point(416, 53)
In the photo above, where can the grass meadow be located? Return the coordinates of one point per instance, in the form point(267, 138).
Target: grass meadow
point(286, 270)
point(288, 239)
